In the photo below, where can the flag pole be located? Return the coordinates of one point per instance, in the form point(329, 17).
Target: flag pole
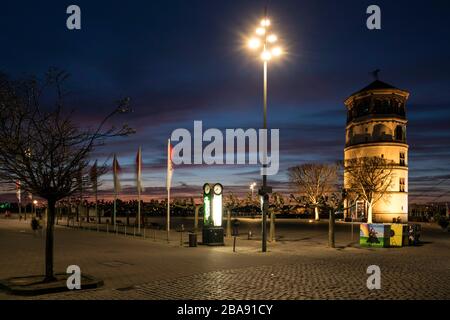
point(139, 190)
point(94, 180)
point(168, 188)
point(139, 210)
point(114, 215)
point(168, 213)
point(115, 190)
point(19, 198)
point(96, 207)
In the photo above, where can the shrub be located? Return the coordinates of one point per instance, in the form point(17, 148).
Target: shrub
point(442, 221)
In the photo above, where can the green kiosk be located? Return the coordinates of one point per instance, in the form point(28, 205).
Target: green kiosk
point(213, 233)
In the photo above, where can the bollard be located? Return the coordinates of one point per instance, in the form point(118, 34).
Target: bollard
point(228, 223)
point(197, 208)
point(125, 230)
point(107, 228)
point(351, 229)
point(234, 244)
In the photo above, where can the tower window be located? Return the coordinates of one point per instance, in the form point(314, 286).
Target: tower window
point(402, 159)
point(402, 185)
point(399, 133)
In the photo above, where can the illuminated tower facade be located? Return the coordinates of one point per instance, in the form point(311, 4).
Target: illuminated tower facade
point(376, 126)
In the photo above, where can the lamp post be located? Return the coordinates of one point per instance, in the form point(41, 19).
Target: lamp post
point(264, 43)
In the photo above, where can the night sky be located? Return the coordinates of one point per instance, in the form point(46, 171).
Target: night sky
point(181, 61)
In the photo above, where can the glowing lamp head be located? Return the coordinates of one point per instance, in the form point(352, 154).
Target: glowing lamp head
point(254, 43)
point(260, 31)
point(277, 51)
point(265, 22)
point(272, 38)
point(266, 56)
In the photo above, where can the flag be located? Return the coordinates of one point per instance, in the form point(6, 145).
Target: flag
point(18, 191)
point(93, 175)
point(116, 170)
point(169, 165)
point(139, 170)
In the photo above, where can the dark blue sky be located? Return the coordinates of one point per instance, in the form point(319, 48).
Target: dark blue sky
point(182, 61)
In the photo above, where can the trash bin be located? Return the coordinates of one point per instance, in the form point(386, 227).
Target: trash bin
point(192, 239)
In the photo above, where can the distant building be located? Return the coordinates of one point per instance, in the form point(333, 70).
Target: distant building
point(376, 126)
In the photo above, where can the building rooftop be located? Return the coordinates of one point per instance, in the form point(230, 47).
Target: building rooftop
point(376, 85)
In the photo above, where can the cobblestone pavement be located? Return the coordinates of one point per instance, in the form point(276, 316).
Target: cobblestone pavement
point(305, 269)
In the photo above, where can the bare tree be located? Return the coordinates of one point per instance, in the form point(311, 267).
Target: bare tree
point(232, 202)
point(42, 147)
point(369, 178)
point(314, 181)
point(277, 203)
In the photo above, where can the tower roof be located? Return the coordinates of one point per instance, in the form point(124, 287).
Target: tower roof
point(376, 85)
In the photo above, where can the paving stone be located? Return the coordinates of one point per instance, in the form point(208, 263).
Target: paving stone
point(134, 268)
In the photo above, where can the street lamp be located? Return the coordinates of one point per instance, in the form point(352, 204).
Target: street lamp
point(264, 42)
point(35, 203)
point(252, 187)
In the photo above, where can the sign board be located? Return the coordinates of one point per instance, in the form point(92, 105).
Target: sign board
point(374, 235)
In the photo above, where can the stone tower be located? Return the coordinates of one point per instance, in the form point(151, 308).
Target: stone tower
point(376, 126)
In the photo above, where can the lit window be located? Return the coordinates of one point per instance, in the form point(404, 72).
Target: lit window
point(402, 184)
point(402, 159)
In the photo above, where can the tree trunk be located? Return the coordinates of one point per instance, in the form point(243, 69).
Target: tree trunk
point(369, 214)
point(49, 276)
point(331, 230)
point(316, 210)
point(97, 213)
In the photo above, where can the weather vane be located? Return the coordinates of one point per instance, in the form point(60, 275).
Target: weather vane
point(375, 73)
